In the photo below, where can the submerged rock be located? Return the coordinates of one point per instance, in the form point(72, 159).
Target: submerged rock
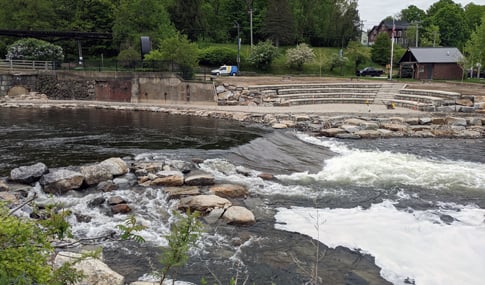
point(3, 186)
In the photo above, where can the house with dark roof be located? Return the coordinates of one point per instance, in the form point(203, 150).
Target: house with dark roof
point(433, 63)
point(386, 26)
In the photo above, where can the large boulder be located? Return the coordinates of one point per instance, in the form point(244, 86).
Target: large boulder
point(177, 192)
point(199, 178)
point(28, 174)
point(120, 209)
point(203, 203)
point(95, 271)
point(94, 174)
point(229, 190)
point(168, 178)
point(331, 132)
point(116, 166)
point(239, 215)
point(61, 181)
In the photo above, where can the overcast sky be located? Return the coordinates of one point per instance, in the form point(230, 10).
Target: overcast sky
point(372, 12)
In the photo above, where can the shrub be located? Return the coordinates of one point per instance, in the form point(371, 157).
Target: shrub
point(25, 251)
point(183, 235)
point(263, 54)
point(34, 49)
point(216, 56)
point(128, 57)
point(296, 57)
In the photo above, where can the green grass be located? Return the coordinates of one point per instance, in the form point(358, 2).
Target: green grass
point(280, 67)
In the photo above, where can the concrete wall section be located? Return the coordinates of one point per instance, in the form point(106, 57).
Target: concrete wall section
point(157, 88)
point(113, 90)
point(7, 81)
point(171, 90)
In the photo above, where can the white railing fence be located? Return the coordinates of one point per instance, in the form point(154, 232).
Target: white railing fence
point(26, 64)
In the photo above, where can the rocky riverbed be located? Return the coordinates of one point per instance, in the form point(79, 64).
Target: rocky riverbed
point(226, 207)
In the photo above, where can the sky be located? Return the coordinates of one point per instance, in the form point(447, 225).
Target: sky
point(372, 12)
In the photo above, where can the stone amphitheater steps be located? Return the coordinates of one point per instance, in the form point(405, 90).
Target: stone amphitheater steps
point(300, 94)
point(425, 100)
point(387, 92)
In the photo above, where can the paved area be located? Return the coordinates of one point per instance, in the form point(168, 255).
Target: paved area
point(313, 109)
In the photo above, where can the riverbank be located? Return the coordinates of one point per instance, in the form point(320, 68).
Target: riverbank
point(352, 121)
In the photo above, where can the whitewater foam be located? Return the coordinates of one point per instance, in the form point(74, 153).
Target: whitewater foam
point(406, 244)
point(384, 169)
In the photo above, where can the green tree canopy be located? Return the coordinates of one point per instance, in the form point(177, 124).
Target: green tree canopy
point(412, 14)
point(279, 25)
point(381, 49)
point(475, 46)
point(358, 53)
point(136, 18)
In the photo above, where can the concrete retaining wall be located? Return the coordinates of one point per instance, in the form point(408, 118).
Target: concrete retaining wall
point(111, 86)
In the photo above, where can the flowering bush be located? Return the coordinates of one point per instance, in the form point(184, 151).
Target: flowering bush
point(34, 49)
point(263, 54)
point(296, 57)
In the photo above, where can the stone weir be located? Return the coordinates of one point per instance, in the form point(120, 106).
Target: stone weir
point(347, 126)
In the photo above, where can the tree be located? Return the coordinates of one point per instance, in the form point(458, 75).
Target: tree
point(430, 37)
point(381, 50)
point(178, 50)
point(412, 14)
point(187, 17)
point(473, 15)
point(358, 53)
point(279, 25)
point(183, 235)
point(25, 250)
point(475, 46)
point(136, 18)
point(27, 15)
point(263, 54)
point(452, 25)
point(297, 56)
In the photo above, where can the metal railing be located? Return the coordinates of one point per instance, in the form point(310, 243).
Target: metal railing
point(26, 64)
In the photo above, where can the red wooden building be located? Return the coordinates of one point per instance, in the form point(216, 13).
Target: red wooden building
point(433, 63)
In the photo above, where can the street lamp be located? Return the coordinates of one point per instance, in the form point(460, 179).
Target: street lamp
point(238, 60)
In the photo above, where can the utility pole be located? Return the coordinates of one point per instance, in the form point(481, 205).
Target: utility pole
point(238, 46)
point(250, 7)
point(417, 33)
point(251, 25)
point(392, 47)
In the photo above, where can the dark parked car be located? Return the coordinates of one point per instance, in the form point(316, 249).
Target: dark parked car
point(369, 71)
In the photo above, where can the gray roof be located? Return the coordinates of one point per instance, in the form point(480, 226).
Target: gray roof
point(436, 55)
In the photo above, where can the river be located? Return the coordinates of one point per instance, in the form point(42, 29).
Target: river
point(415, 207)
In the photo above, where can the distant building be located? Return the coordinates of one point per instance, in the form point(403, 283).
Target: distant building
point(400, 28)
point(364, 39)
point(433, 63)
